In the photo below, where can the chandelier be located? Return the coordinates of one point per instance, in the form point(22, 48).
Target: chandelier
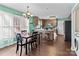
point(27, 14)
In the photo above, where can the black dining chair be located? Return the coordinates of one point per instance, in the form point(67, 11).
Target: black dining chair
point(37, 36)
point(35, 32)
point(34, 40)
point(21, 43)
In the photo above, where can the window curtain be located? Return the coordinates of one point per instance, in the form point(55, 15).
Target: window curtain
point(8, 27)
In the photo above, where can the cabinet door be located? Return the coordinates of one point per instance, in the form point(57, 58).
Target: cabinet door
point(36, 20)
point(44, 23)
point(52, 22)
point(77, 20)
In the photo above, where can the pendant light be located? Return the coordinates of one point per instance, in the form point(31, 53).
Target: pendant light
point(28, 13)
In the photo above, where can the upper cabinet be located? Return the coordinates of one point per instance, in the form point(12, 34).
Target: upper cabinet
point(44, 23)
point(36, 20)
point(77, 20)
point(52, 20)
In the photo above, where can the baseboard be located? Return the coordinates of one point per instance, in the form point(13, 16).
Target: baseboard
point(7, 42)
point(77, 53)
point(60, 34)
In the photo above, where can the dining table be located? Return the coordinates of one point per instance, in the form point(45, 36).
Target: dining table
point(28, 36)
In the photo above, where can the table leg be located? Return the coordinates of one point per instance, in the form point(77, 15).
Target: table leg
point(26, 47)
point(39, 39)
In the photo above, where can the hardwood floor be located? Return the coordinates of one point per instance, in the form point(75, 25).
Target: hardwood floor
point(57, 47)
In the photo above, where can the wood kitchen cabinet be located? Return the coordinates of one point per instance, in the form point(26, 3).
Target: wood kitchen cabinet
point(44, 23)
point(52, 20)
point(77, 20)
point(36, 20)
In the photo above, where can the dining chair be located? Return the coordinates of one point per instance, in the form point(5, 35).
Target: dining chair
point(37, 36)
point(35, 32)
point(34, 41)
point(21, 42)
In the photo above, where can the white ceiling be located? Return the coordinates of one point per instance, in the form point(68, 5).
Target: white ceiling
point(44, 10)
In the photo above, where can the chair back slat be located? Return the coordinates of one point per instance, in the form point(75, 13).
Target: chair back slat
point(34, 37)
point(34, 33)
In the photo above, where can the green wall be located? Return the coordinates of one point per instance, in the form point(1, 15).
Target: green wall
point(31, 24)
point(10, 10)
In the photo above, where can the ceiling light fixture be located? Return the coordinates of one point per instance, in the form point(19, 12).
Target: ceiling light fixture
point(28, 13)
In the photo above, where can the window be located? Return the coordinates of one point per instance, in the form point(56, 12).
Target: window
point(6, 26)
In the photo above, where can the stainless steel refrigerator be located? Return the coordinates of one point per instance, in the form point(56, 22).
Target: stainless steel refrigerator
point(68, 31)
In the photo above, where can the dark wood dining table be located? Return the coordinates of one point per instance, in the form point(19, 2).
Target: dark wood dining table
point(29, 36)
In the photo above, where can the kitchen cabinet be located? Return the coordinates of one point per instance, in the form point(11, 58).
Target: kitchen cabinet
point(36, 20)
point(52, 20)
point(75, 29)
point(44, 23)
point(77, 20)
